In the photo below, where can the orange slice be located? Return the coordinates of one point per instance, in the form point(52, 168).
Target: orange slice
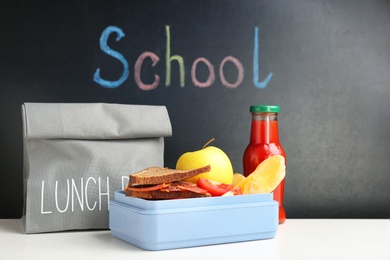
point(237, 178)
point(266, 177)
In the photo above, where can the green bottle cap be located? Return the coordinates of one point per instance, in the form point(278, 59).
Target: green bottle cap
point(261, 109)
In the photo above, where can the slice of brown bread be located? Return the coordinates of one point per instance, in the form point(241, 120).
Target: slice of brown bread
point(157, 175)
point(163, 195)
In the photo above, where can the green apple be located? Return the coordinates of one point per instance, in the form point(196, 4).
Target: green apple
point(221, 167)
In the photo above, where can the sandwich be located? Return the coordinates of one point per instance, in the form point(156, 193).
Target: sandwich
point(157, 183)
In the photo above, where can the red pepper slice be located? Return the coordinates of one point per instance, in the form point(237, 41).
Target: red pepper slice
point(213, 187)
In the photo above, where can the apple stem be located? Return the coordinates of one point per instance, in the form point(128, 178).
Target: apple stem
point(206, 144)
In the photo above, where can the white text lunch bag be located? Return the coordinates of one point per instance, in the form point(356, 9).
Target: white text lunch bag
point(77, 155)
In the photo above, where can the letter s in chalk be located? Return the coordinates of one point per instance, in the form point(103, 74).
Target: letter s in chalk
point(104, 47)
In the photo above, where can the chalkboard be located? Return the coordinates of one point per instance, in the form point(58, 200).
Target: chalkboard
point(325, 63)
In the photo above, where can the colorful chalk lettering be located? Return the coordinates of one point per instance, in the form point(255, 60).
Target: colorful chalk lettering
point(240, 69)
point(256, 82)
point(137, 71)
point(210, 79)
point(169, 59)
point(104, 47)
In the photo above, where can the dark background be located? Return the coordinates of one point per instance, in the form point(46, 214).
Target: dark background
point(331, 77)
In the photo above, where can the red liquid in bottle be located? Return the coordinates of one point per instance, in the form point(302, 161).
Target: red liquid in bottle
point(264, 142)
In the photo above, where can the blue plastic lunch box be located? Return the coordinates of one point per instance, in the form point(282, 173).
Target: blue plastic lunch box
point(169, 224)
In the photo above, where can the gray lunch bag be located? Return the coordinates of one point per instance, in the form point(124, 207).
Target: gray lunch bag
point(77, 155)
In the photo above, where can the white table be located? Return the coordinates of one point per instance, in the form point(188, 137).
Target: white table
point(295, 239)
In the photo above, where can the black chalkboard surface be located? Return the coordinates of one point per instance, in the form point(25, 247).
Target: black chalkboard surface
point(325, 63)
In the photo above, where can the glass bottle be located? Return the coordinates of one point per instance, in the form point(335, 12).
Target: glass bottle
point(264, 142)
